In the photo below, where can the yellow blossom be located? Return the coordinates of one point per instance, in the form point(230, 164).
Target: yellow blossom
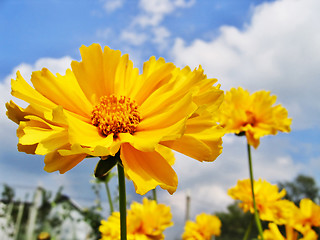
point(254, 115)
point(266, 195)
point(102, 106)
point(203, 228)
point(145, 221)
point(273, 233)
point(307, 216)
point(310, 213)
point(283, 212)
point(295, 219)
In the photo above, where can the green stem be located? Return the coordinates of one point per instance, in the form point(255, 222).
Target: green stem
point(109, 196)
point(256, 214)
point(154, 194)
point(122, 202)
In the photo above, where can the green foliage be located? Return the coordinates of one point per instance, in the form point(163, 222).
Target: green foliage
point(301, 187)
point(7, 194)
point(235, 223)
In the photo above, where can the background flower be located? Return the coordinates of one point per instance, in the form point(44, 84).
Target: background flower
point(266, 195)
point(203, 228)
point(254, 115)
point(144, 221)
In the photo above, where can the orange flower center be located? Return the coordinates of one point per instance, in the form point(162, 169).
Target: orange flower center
point(115, 115)
point(251, 119)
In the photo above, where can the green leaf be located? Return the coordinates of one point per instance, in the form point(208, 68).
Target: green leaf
point(104, 166)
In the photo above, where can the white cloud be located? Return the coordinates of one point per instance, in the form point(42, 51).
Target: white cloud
point(278, 50)
point(112, 5)
point(155, 10)
point(161, 35)
point(105, 34)
point(133, 38)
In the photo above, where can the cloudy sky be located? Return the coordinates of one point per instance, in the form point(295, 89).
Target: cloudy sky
point(271, 45)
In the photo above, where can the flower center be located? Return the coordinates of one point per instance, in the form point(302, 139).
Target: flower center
point(115, 115)
point(251, 119)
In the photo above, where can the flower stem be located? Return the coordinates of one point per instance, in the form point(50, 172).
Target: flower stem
point(256, 214)
point(122, 202)
point(109, 196)
point(154, 194)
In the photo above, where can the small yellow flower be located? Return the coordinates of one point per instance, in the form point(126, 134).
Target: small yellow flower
point(310, 213)
point(295, 219)
point(253, 115)
point(104, 106)
point(146, 221)
point(266, 195)
point(283, 212)
point(203, 229)
point(273, 233)
point(307, 216)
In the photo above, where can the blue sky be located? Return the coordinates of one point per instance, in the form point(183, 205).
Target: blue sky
point(271, 45)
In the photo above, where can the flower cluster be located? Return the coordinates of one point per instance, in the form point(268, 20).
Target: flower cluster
point(145, 221)
point(278, 211)
point(103, 107)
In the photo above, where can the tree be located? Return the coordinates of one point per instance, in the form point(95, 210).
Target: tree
point(301, 187)
point(235, 223)
point(7, 194)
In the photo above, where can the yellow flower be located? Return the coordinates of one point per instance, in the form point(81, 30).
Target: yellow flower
point(103, 106)
point(266, 195)
point(253, 115)
point(307, 216)
point(203, 229)
point(310, 213)
point(295, 219)
point(283, 212)
point(144, 221)
point(273, 233)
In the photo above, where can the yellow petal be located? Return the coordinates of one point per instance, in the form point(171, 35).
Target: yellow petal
point(86, 134)
point(14, 112)
point(155, 74)
point(89, 72)
point(21, 89)
point(78, 149)
point(126, 77)
point(38, 131)
point(147, 170)
point(201, 140)
point(164, 117)
point(147, 140)
point(62, 90)
point(55, 162)
point(166, 153)
point(111, 59)
point(29, 149)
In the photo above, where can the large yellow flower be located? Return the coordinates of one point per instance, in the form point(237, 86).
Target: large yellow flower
point(145, 221)
point(254, 115)
point(103, 106)
point(203, 229)
point(266, 195)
